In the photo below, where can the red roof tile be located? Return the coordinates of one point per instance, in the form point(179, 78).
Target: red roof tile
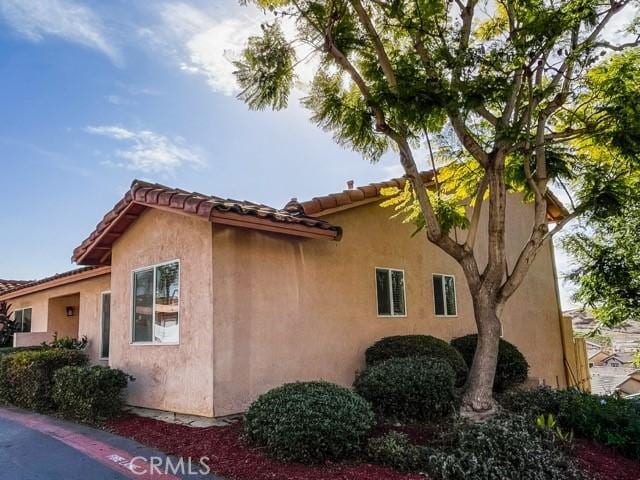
point(6, 285)
point(96, 249)
point(58, 276)
point(358, 195)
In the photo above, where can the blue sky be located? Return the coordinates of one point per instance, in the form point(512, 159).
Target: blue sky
point(96, 93)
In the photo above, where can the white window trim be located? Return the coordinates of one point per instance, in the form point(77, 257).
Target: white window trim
point(153, 306)
point(102, 294)
point(404, 291)
point(20, 310)
point(444, 295)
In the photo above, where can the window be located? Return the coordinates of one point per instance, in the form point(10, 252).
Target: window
point(390, 292)
point(444, 295)
point(156, 293)
point(105, 325)
point(22, 317)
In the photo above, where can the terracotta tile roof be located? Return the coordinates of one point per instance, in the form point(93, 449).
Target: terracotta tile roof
point(58, 277)
point(96, 249)
point(354, 197)
point(6, 285)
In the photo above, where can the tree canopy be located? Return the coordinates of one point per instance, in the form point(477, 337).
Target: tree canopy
point(519, 95)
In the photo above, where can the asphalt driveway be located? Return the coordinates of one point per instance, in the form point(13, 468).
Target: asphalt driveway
point(38, 447)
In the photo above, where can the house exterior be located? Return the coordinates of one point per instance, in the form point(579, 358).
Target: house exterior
point(630, 385)
point(210, 302)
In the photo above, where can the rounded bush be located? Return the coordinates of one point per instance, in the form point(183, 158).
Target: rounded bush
point(89, 393)
point(512, 368)
point(402, 346)
point(412, 388)
point(309, 422)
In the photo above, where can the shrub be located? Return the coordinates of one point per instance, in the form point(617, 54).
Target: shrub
point(89, 393)
point(412, 388)
point(611, 421)
point(394, 450)
point(504, 447)
point(512, 368)
point(417, 346)
point(26, 377)
point(533, 402)
point(68, 343)
point(309, 422)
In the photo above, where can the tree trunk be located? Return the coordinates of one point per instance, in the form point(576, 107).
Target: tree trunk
point(478, 401)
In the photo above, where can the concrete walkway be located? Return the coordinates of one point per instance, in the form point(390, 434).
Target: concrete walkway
point(39, 447)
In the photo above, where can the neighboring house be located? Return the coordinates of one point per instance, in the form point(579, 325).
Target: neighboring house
point(596, 358)
point(618, 359)
point(630, 385)
point(605, 380)
point(210, 302)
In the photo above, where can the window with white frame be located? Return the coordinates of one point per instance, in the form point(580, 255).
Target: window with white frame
point(390, 292)
point(22, 317)
point(156, 298)
point(444, 295)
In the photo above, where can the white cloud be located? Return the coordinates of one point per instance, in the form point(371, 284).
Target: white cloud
point(148, 151)
point(71, 21)
point(201, 44)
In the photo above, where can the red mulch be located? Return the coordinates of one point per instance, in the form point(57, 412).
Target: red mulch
point(232, 458)
point(604, 463)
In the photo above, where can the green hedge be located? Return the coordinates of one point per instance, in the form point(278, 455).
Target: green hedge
point(411, 388)
point(402, 346)
point(512, 368)
point(26, 377)
point(89, 393)
point(610, 420)
point(309, 422)
point(394, 450)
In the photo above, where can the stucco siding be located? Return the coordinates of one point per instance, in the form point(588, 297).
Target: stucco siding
point(168, 377)
point(290, 309)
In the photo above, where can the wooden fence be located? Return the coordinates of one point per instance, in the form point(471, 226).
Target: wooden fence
point(576, 360)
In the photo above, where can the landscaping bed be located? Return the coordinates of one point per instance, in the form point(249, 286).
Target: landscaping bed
point(231, 457)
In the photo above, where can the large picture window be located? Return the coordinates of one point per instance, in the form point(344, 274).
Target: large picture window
point(444, 295)
point(22, 318)
point(390, 292)
point(156, 298)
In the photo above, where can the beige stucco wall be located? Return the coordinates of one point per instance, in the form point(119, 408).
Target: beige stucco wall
point(289, 309)
point(169, 377)
point(53, 301)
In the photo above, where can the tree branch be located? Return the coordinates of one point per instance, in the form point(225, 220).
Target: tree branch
point(383, 58)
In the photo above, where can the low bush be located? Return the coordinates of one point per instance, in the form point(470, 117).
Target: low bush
point(394, 450)
point(412, 388)
point(309, 422)
point(89, 393)
point(402, 346)
point(611, 420)
point(9, 350)
point(68, 343)
point(508, 447)
point(26, 377)
point(512, 368)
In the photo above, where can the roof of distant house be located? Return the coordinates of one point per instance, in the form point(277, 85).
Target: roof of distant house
point(63, 278)
point(6, 285)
